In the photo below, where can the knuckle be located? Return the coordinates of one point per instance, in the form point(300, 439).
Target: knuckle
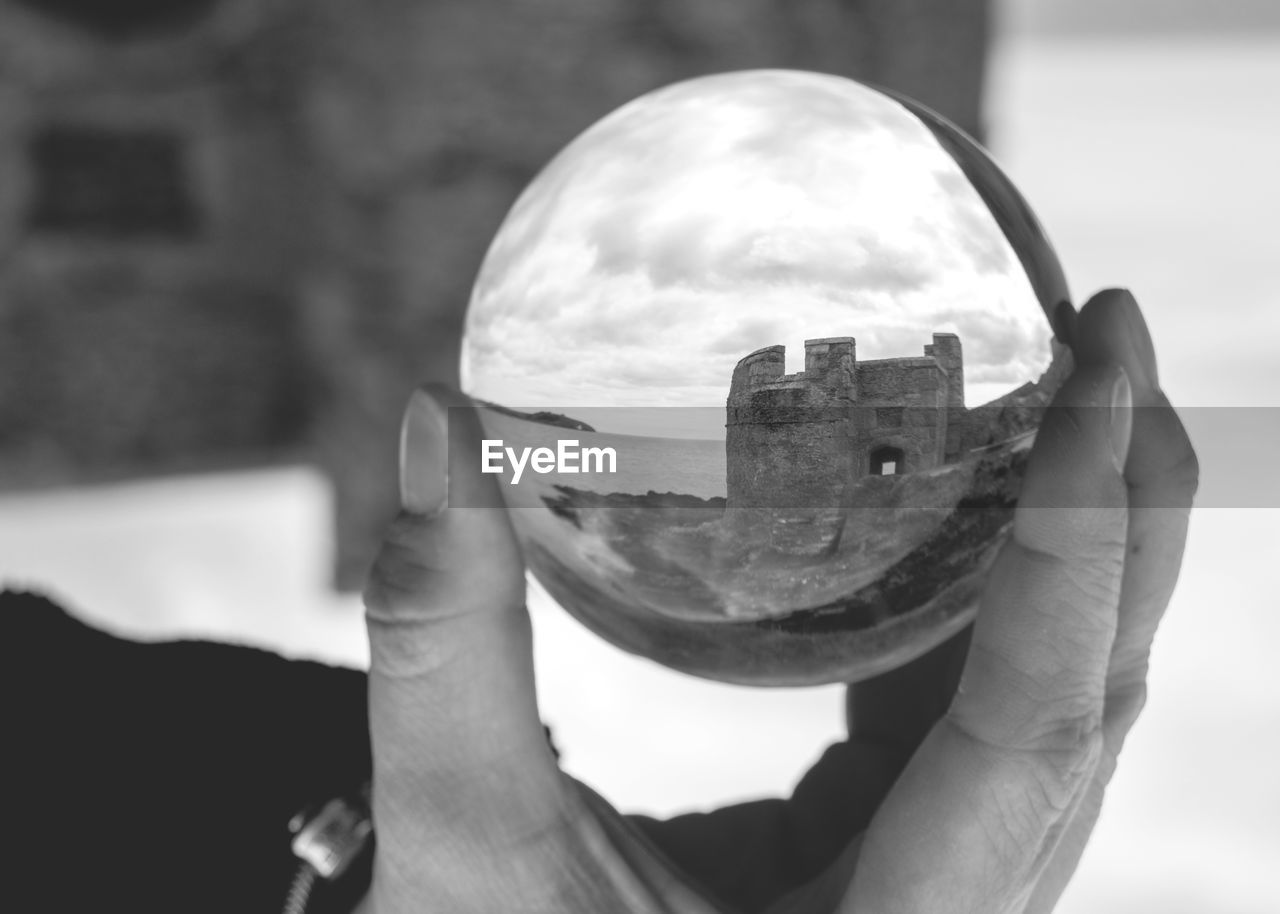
point(1052, 707)
point(1069, 741)
point(393, 590)
point(408, 537)
point(1062, 729)
point(1047, 614)
point(398, 615)
point(1090, 596)
point(1088, 536)
point(1124, 705)
point(397, 571)
point(402, 575)
point(389, 593)
point(1066, 771)
point(404, 645)
point(1039, 777)
point(397, 654)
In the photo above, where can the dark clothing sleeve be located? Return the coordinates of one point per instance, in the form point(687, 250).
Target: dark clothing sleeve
point(162, 776)
point(751, 854)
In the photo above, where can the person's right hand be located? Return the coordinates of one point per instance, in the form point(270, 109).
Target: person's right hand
point(1057, 672)
point(989, 815)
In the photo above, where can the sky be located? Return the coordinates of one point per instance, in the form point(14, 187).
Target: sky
point(1151, 166)
point(1132, 18)
point(718, 216)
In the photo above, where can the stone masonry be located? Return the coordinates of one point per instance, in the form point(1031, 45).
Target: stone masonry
point(798, 440)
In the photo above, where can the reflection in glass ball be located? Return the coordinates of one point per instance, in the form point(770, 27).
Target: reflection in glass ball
point(772, 347)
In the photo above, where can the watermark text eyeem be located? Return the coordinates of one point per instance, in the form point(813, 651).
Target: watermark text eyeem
point(567, 457)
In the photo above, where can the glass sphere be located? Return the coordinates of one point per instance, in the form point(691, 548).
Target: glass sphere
point(759, 357)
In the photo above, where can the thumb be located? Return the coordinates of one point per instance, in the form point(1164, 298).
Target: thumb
point(459, 752)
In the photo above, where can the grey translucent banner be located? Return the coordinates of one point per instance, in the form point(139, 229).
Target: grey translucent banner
point(889, 458)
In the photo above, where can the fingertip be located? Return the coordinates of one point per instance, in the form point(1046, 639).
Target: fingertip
point(1111, 329)
point(401, 572)
point(1083, 442)
point(424, 476)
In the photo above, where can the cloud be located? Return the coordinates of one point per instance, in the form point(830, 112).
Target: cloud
point(721, 215)
point(749, 335)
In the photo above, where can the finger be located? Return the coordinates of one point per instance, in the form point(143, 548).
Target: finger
point(979, 808)
point(1162, 474)
point(461, 762)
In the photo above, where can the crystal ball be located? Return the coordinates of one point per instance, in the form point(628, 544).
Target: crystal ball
point(759, 357)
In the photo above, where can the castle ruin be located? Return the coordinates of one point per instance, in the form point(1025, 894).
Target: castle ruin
point(800, 439)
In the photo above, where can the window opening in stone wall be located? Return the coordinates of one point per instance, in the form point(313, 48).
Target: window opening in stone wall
point(887, 461)
point(889, 416)
point(125, 19)
point(110, 182)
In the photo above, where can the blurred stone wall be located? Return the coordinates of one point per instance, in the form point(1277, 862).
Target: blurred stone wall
point(349, 163)
point(153, 225)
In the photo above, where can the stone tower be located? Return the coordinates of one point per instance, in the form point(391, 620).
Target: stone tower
point(798, 440)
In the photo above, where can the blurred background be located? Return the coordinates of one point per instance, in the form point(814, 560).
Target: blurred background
point(234, 234)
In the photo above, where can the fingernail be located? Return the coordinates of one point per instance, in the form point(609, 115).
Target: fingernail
point(1121, 419)
point(424, 454)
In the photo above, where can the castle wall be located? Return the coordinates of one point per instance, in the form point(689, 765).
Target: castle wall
point(762, 367)
point(946, 350)
point(832, 363)
point(787, 438)
point(1015, 413)
point(800, 440)
point(150, 248)
point(903, 405)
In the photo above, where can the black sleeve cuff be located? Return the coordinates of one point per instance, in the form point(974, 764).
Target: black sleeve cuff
point(161, 777)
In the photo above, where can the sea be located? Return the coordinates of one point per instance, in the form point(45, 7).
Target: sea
point(686, 466)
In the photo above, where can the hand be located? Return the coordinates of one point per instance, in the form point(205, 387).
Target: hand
point(992, 810)
point(1013, 775)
